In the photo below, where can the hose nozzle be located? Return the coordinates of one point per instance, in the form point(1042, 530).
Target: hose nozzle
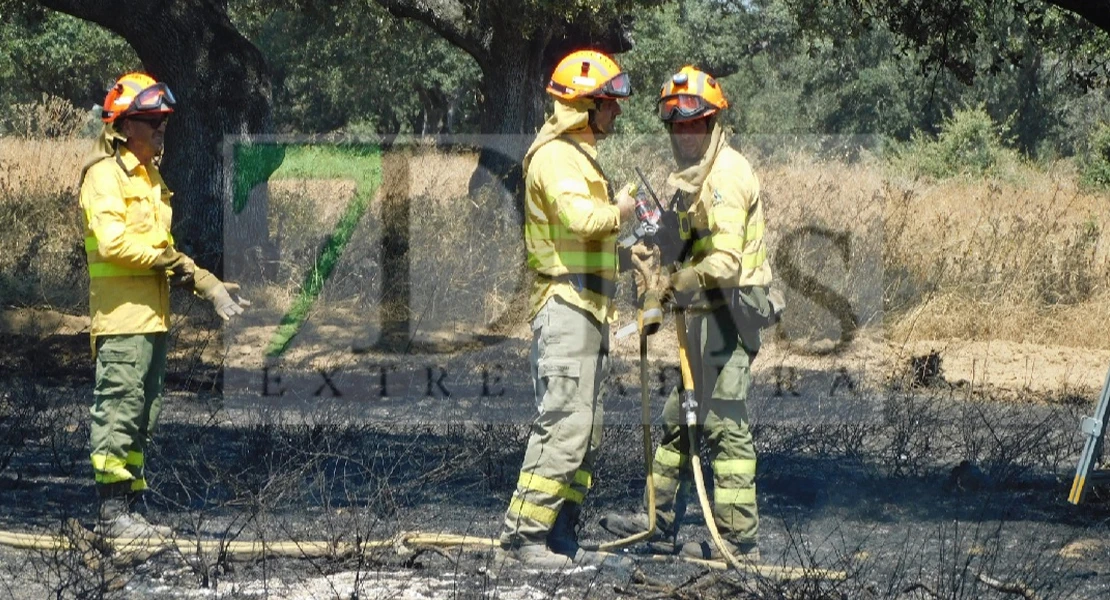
point(690, 406)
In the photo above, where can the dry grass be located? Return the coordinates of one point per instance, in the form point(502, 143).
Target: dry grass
point(1025, 263)
point(966, 259)
point(41, 252)
point(34, 167)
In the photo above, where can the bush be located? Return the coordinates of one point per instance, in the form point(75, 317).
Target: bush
point(51, 117)
point(969, 143)
point(1096, 164)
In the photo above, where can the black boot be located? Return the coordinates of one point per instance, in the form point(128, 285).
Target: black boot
point(563, 537)
point(625, 526)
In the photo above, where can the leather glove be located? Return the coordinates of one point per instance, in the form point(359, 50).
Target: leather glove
point(685, 280)
point(682, 287)
point(180, 267)
point(645, 263)
point(220, 294)
point(626, 202)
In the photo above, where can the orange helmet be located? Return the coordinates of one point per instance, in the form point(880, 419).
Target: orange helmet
point(589, 74)
point(137, 94)
point(690, 94)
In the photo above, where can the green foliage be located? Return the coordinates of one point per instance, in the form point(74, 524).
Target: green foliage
point(788, 66)
point(353, 66)
point(1096, 163)
point(53, 55)
point(969, 143)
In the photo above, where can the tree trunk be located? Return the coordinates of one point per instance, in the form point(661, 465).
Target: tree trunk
point(511, 110)
point(223, 91)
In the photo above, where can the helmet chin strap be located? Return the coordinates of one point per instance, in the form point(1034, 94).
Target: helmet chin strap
point(592, 122)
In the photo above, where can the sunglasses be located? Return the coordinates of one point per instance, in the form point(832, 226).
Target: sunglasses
point(154, 121)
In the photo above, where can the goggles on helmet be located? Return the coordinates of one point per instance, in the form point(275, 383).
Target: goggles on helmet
point(155, 97)
point(617, 87)
point(684, 107)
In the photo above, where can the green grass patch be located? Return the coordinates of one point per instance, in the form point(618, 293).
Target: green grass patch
point(358, 162)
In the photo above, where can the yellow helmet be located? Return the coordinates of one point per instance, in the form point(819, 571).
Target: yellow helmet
point(690, 94)
point(137, 94)
point(589, 74)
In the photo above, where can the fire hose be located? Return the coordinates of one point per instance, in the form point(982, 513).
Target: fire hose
point(405, 542)
point(693, 427)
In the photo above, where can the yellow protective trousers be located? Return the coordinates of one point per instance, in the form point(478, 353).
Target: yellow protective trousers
point(722, 366)
point(570, 361)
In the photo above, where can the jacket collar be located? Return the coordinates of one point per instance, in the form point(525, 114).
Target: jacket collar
point(126, 159)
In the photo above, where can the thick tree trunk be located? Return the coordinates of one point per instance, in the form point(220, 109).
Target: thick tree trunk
point(511, 109)
point(223, 90)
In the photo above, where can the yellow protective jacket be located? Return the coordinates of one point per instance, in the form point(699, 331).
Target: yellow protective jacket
point(127, 216)
point(726, 218)
point(571, 224)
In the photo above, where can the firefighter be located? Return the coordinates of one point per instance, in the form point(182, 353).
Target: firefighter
point(571, 226)
point(723, 282)
point(132, 263)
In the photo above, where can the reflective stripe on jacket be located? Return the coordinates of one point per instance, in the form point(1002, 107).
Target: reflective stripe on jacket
point(726, 220)
point(127, 215)
point(570, 225)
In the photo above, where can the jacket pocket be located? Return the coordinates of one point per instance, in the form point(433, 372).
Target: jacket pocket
point(140, 214)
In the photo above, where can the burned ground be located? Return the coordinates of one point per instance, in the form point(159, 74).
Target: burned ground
point(919, 492)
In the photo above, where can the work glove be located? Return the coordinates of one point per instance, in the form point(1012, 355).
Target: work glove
point(682, 286)
point(180, 267)
point(223, 296)
point(645, 265)
point(685, 280)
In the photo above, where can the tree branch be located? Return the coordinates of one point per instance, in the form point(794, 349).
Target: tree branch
point(1098, 13)
point(447, 18)
point(100, 12)
point(1016, 588)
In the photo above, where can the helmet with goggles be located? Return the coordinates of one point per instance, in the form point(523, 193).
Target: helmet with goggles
point(690, 94)
point(589, 74)
point(137, 94)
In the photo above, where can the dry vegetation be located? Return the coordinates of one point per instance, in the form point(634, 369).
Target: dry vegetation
point(951, 262)
point(968, 259)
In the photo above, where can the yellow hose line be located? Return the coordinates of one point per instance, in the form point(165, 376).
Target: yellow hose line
point(694, 431)
point(33, 541)
point(769, 571)
point(645, 422)
point(244, 550)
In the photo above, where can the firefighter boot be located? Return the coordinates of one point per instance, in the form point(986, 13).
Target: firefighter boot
point(539, 556)
point(116, 521)
point(563, 537)
point(661, 541)
point(742, 551)
point(135, 505)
